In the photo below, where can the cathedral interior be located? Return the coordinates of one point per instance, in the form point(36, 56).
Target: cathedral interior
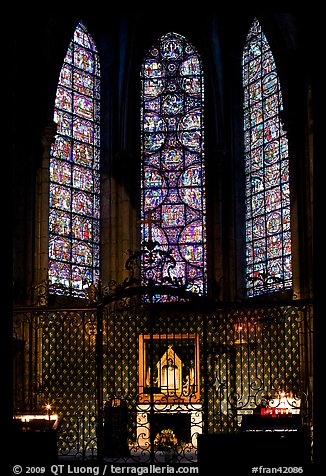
point(166, 177)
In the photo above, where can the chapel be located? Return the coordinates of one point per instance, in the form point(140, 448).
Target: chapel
point(166, 176)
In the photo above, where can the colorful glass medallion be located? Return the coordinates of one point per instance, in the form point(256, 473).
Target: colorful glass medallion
point(173, 211)
point(74, 204)
point(268, 239)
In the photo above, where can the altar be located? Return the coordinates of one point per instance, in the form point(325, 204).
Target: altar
point(169, 393)
point(188, 434)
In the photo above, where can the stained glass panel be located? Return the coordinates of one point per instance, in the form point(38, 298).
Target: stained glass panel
point(74, 203)
point(173, 209)
point(268, 237)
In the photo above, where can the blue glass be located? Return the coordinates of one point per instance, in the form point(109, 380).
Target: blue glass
point(74, 201)
point(268, 237)
point(173, 210)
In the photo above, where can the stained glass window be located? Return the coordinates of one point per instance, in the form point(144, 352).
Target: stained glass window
point(268, 232)
point(173, 210)
point(74, 196)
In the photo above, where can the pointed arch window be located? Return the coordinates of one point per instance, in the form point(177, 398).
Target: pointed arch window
point(268, 232)
point(173, 210)
point(74, 183)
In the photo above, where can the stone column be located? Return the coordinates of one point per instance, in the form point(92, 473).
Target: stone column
point(118, 229)
point(42, 209)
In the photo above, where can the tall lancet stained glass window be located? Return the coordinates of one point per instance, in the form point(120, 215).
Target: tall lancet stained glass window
point(74, 196)
point(268, 233)
point(173, 211)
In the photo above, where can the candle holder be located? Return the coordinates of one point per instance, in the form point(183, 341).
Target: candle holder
point(48, 409)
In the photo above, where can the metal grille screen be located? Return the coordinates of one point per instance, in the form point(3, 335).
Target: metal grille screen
point(223, 362)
